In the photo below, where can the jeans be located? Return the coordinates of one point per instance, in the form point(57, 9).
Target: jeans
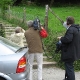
point(39, 59)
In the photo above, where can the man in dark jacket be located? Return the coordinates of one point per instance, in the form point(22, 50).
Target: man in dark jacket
point(70, 47)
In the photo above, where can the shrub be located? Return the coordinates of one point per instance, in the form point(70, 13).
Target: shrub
point(4, 5)
point(2, 31)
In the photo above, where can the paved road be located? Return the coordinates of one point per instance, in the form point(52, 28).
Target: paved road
point(53, 73)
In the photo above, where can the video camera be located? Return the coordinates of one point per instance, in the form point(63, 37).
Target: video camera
point(58, 47)
point(36, 24)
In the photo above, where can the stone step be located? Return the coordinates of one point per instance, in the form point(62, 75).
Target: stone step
point(9, 33)
point(46, 64)
point(6, 25)
point(9, 29)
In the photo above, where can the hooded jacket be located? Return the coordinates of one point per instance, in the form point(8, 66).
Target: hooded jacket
point(18, 38)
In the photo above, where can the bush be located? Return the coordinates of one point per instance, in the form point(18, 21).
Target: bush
point(2, 31)
point(4, 5)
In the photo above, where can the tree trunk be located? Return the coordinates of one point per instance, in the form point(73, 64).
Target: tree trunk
point(51, 3)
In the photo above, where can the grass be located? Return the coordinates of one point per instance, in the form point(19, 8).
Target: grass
point(53, 23)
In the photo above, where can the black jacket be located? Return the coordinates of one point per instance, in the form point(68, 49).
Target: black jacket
point(71, 44)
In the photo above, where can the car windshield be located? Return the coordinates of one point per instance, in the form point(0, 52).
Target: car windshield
point(9, 44)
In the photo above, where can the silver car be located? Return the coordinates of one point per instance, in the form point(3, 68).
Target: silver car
point(13, 61)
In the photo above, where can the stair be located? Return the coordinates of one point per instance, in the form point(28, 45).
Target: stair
point(9, 29)
point(46, 63)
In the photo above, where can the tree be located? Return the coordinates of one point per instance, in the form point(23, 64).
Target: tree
point(51, 3)
point(16, 2)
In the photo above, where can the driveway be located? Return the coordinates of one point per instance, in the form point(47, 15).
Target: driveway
point(53, 73)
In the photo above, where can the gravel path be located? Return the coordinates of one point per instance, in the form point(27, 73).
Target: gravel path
point(54, 73)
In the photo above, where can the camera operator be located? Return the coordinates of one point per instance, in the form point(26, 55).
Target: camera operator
point(33, 38)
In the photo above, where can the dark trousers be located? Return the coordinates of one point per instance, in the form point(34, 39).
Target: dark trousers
point(69, 71)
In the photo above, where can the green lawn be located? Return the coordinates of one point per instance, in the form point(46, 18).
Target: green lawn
point(53, 23)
